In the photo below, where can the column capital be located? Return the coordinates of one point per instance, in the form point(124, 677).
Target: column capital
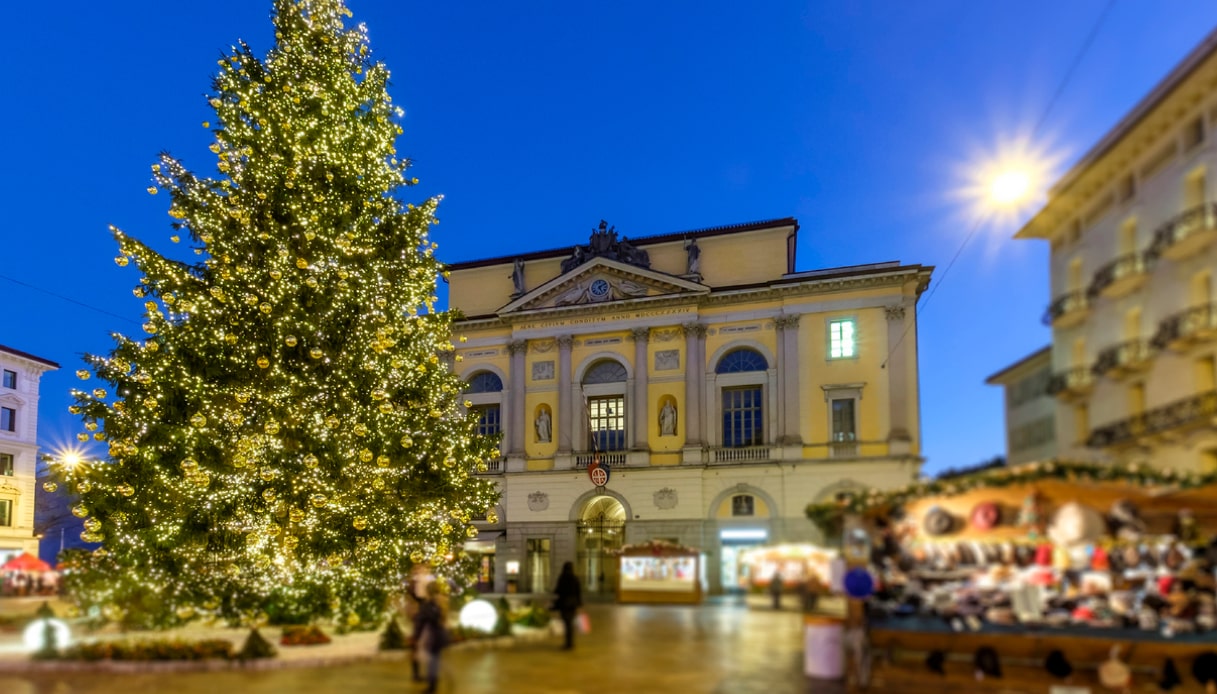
point(695, 329)
point(565, 341)
point(786, 321)
point(894, 312)
point(640, 334)
point(517, 346)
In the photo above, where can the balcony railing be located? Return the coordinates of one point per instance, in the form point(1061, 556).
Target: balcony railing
point(611, 458)
point(1122, 358)
point(493, 467)
point(743, 454)
point(1187, 327)
point(1067, 309)
point(1071, 382)
point(1120, 276)
point(1186, 233)
point(1195, 410)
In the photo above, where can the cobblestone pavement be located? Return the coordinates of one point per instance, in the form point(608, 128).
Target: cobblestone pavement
point(710, 649)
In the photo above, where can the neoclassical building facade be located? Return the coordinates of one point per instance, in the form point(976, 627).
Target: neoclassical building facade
point(19, 376)
point(690, 387)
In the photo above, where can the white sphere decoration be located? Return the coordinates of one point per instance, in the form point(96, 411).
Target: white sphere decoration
point(34, 636)
point(479, 615)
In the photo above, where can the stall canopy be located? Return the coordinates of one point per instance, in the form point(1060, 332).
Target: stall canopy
point(25, 562)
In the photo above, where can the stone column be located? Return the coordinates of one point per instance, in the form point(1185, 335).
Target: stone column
point(788, 379)
point(566, 424)
point(898, 438)
point(515, 414)
point(695, 360)
point(639, 440)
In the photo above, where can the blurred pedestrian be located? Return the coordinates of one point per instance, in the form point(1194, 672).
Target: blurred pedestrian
point(569, 600)
point(430, 635)
point(775, 589)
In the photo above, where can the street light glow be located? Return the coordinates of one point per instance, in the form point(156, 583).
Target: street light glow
point(1009, 187)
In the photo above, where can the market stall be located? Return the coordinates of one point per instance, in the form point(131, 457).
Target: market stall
point(1049, 565)
point(659, 572)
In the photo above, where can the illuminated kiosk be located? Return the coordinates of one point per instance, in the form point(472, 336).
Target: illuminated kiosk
point(660, 572)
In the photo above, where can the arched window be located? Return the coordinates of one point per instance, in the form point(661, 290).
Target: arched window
point(741, 360)
point(606, 405)
point(485, 382)
point(607, 371)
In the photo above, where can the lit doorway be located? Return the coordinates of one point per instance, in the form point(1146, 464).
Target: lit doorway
point(734, 544)
point(600, 530)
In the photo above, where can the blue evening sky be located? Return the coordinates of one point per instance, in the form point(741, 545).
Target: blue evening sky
point(538, 119)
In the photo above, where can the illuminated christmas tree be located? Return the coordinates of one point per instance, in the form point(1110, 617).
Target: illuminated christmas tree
point(288, 437)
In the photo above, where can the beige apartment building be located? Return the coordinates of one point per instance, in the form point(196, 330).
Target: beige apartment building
point(1030, 409)
point(1133, 235)
point(19, 376)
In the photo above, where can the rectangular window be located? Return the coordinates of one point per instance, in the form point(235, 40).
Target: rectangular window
point(6, 465)
point(606, 417)
point(6, 513)
point(489, 421)
point(841, 339)
point(1193, 133)
point(538, 564)
point(742, 505)
point(8, 419)
point(1128, 188)
point(844, 422)
point(10, 379)
point(743, 416)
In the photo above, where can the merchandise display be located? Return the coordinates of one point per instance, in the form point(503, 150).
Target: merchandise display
point(1061, 554)
point(658, 571)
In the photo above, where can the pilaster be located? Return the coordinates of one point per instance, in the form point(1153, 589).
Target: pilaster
point(640, 336)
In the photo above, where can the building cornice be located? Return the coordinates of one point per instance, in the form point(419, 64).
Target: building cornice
point(38, 362)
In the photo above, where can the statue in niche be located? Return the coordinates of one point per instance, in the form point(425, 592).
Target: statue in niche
point(544, 426)
point(517, 276)
point(667, 419)
point(694, 257)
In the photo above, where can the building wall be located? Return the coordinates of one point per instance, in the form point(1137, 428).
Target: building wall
point(670, 341)
point(1030, 412)
point(19, 489)
point(1154, 175)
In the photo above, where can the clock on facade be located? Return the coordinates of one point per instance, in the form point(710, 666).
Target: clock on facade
point(599, 289)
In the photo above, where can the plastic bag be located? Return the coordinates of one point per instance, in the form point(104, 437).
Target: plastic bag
point(584, 623)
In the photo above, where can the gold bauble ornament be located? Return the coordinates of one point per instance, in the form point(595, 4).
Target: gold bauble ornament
point(365, 455)
point(184, 612)
point(92, 525)
point(99, 436)
point(150, 328)
point(274, 274)
point(373, 545)
point(82, 437)
point(359, 523)
point(99, 393)
point(121, 261)
point(230, 339)
point(83, 374)
point(125, 489)
point(311, 282)
point(471, 531)
point(295, 515)
point(89, 537)
point(379, 394)
point(189, 466)
point(315, 353)
point(84, 486)
point(273, 531)
point(50, 487)
point(332, 421)
point(265, 308)
point(301, 263)
point(310, 461)
point(75, 409)
point(139, 292)
point(360, 429)
point(378, 483)
point(263, 362)
point(290, 341)
point(406, 442)
point(201, 480)
point(446, 528)
point(268, 495)
point(150, 403)
point(198, 421)
point(383, 461)
point(152, 346)
point(266, 474)
point(80, 511)
point(385, 407)
point(272, 428)
point(416, 556)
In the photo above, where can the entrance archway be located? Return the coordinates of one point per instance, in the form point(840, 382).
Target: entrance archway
point(600, 529)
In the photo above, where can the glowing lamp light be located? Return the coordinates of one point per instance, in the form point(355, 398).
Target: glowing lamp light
point(1009, 187)
point(479, 615)
point(34, 636)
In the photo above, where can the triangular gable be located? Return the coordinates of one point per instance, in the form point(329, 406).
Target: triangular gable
point(601, 280)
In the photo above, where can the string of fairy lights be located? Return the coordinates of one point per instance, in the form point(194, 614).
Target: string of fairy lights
point(287, 433)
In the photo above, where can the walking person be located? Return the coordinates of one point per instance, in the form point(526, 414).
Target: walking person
point(775, 588)
point(570, 599)
point(430, 635)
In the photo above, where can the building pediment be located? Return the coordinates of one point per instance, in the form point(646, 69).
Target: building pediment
point(600, 281)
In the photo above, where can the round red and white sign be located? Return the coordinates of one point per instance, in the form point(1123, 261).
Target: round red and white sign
point(599, 475)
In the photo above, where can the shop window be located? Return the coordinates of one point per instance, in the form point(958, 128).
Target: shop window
point(6, 464)
point(743, 416)
point(743, 505)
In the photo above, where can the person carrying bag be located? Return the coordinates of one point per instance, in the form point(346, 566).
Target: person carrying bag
point(569, 600)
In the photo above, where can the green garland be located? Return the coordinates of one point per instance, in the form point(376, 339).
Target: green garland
point(828, 515)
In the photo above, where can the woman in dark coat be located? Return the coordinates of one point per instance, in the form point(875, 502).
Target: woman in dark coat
point(570, 599)
point(430, 634)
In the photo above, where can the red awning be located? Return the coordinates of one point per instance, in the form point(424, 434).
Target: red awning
point(26, 562)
